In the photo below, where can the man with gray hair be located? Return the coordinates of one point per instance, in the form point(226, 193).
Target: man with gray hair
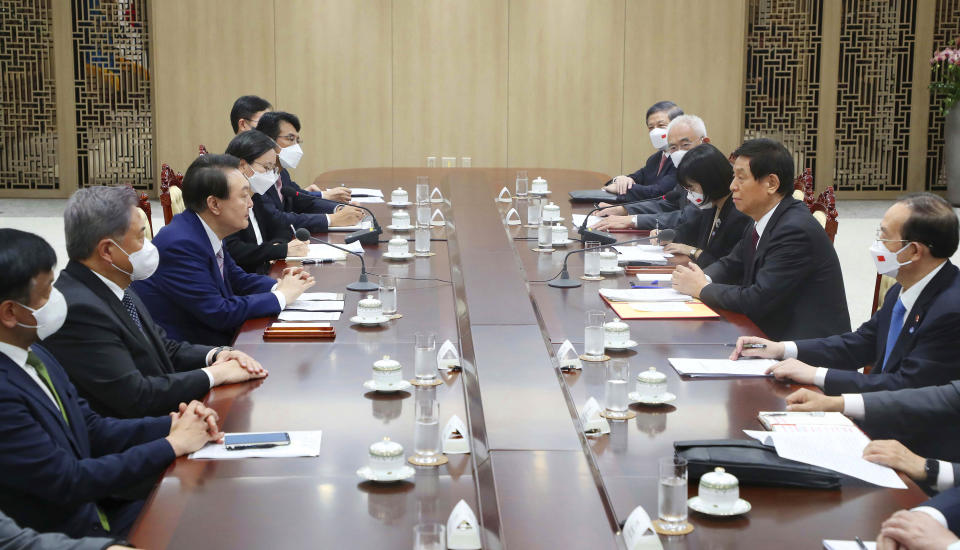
point(128, 368)
point(683, 133)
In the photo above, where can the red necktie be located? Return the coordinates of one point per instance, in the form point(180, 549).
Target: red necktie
point(663, 160)
point(756, 238)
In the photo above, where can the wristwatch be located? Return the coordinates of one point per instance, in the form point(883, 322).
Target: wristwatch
point(932, 469)
point(218, 351)
point(694, 252)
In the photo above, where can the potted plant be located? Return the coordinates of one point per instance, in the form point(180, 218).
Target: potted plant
point(945, 81)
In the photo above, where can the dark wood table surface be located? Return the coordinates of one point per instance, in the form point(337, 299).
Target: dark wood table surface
point(532, 478)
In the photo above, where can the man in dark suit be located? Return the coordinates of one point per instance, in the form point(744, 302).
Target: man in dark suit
point(784, 274)
point(930, 526)
point(14, 537)
point(288, 201)
point(198, 293)
point(131, 368)
point(912, 340)
point(60, 462)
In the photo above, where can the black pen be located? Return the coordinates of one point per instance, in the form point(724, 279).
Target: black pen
point(311, 261)
point(748, 346)
point(860, 543)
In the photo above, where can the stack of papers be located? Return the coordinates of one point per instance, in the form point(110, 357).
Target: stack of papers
point(644, 295)
point(364, 224)
point(367, 200)
point(309, 316)
point(323, 252)
point(301, 444)
point(316, 305)
point(795, 421)
point(310, 296)
point(847, 545)
point(650, 254)
point(577, 220)
point(707, 368)
point(654, 277)
point(364, 192)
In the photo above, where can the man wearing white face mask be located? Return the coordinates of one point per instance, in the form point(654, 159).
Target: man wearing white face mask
point(652, 179)
point(912, 340)
point(134, 370)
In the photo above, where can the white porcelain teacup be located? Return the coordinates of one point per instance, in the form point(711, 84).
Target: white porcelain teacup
point(401, 219)
point(369, 309)
point(551, 212)
point(539, 185)
point(399, 196)
point(398, 246)
point(651, 383)
point(387, 371)
point(386, 457)
point(719, 490)
point(608, 261)
point(560, 234)
point(616, 334)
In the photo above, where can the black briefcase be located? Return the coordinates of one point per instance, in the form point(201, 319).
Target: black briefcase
point(753, 463)
point(592, 195)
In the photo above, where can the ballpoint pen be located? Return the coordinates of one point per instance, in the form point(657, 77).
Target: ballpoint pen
point(860, 543)
point(748, 346)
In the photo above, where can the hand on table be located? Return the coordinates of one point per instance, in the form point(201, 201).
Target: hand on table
point(914, 531)
point(774, 350)
point(689, 279)
point(607, 209)
point(192, 428)
point(679, 248)
point(614, 222)
point(339, 194)
point(793, 369)
point(619, 185)
point(245, 360)
point(295, 281)
point(346, 215)
point(892, 453)
point(297, 248)
point(804, 400)
point(231, 372)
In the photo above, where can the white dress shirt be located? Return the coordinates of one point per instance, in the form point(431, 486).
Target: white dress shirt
point(217, 246)
point(256, 226)
point(19, 356)
point(762, 222)
point(118, 292)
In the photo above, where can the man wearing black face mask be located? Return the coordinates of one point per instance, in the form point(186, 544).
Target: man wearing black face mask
point(134, 370)
point(60, 462)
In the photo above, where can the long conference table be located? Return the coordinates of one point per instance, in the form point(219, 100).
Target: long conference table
point(532, 478)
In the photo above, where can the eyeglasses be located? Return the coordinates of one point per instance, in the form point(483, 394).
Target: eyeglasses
point(253, 122)
point(268, 167)
point(880, 237)
point(291, 137)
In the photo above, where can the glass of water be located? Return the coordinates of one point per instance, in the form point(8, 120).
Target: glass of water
point(425, 356)
point(421, 237)
point(672, 496)
point(429, 536)
point(426, 433)
point(593, 333)
point(522, 183)
point(431, 162)
point(534, 204)
point(423, 211)
point(388, 294)
point(545, 235)
point(615, 397)
point(423, 189)
point(591, 259)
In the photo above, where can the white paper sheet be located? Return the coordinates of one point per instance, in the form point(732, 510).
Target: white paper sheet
point(366, 191)
point(644, 295)
point(303, 443)
point(319, 251)
point(364, 224)
point(653, 277)
point(704, 368)
point(367, 200)
point(310, 296)
point(643, 253)
point(577, 220)
point(847, 545)
point(309, 316)
point(285, 324)
point(661, 306)
point(838, 451)
point(305, 305)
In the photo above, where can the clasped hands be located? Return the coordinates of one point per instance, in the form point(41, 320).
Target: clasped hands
point(192, 426)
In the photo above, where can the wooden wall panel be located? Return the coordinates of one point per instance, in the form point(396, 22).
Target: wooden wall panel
point(566, 81)
point(688, 52)
point(450, 81)
point(333, 63)
point(206, 54)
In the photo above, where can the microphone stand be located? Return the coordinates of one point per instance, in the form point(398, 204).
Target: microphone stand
point(363, 284)
point(365, 236)
point(604, 237)
point(563, 280)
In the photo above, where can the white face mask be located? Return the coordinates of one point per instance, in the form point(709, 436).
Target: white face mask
point(50, 317)
point(885, 260)
point(290, 156)
point(261, 182)
point(658, 137)
point(677, 156)
point(144, 261)
point(699, 200)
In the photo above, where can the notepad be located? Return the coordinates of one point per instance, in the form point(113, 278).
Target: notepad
point(795, 421)
point(707, 368)
point(847, 545)
point(644, 295)
point(365, 192)
point(653, 277)
point(316, 305)
point(367, 200)
point(310, 296)
point(643, 253)
point(309, 316)
point(302, 443)
point(319, 251)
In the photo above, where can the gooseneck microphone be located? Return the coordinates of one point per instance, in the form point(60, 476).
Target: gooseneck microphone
point(563, 280)
point(363, 284)
point(370, 235)
point(604, 237)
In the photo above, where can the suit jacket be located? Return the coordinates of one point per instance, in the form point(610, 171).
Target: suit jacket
point(925, 353)
point(126, 372)
point(14, 537)
point(650, 180)
point(948, 503)
point(296, 207)
point(791, 286)
point(917, 417)
point(729, 230)
point(188, 297)
point(52, 474)
point(243, 247)
point(306, 201)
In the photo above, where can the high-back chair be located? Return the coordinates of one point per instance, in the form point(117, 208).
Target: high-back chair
point(824, 209)
point(171, 195)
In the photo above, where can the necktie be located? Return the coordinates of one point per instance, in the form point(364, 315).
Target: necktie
point(663, 160)
point(220, 261)
point(896, 326)
point(756, 238)
point(41, 369)
point(132, 309)
point(277, 184)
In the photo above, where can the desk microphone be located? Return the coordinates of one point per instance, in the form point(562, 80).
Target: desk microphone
point(604, 237)
point(365, 236)
point(563, 280)
point(363, 284)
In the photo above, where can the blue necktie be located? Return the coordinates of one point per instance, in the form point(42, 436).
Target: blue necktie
point(896, 326)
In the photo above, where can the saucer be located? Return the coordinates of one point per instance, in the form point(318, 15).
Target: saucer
point(630, 344)
point(388, 388)
point(405, 256)
point(540, 193)
point(698, 505)
point(662, 399)
point(563, 243)
point(399, 204)
point(381, 320)
point(404, 472)
point(395, 228)
point(616, 271)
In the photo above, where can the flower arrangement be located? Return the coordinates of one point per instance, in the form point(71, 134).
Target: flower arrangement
point(946, 76)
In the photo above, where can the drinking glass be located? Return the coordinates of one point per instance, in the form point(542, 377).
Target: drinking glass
point(534, 206)
point(593, 333)
point(426, 433)
point(423, 189)
point(425, 356)
point(429, 536)
point(431, 162)
point(423, 212)
point(615, 397)
point(545, 235)
point(672, 496)
point(388, 294)
point(421, 237)
point(591, 259)
point(522, 183)
point(466, 162)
